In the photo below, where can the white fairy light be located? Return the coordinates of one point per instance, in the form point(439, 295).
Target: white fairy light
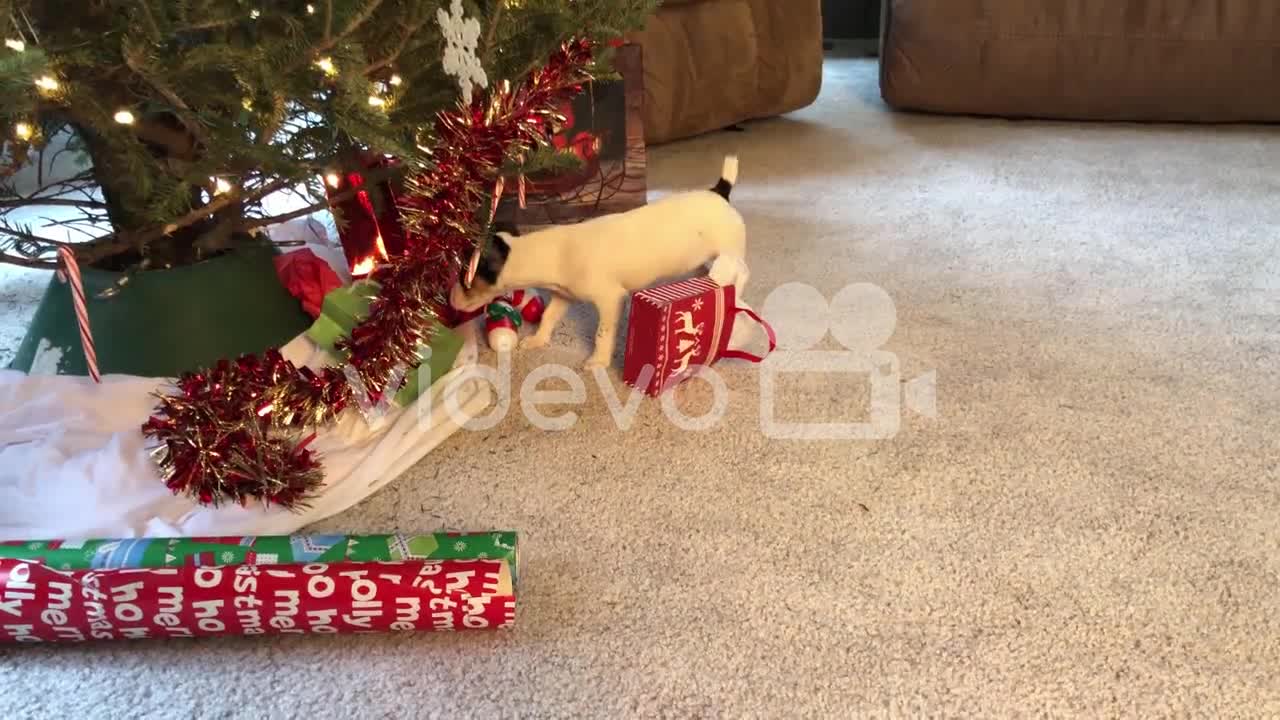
point(333, 179)
point(23, 131)
point(395, 80)
point(326, 66)
point(124, 117)
point(376, 101)
point(15, 45)
point(220, 186)
point(47, 83)
point(311, 9)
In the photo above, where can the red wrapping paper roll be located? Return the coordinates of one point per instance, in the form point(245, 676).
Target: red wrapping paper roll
point(39, 603)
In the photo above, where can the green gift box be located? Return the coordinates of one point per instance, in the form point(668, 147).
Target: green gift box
point(346, 307)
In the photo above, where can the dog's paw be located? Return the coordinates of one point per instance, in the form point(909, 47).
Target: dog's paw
point(533, 342)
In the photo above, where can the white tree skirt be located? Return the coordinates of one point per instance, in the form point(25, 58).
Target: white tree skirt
point(73, 460)
point(74, 463)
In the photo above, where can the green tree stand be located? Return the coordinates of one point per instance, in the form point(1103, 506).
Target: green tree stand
point(165, 322)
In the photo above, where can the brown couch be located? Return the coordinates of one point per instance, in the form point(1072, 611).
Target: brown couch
point(713, 63)
point(1134, 60)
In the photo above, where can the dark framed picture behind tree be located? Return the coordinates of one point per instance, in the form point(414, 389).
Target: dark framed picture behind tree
point(603, 163)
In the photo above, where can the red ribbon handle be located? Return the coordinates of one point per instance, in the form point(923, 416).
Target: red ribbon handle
point(773, 339)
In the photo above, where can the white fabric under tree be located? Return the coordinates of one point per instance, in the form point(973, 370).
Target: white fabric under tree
point(74, 463)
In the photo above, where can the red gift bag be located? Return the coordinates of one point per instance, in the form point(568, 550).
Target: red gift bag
point(371, 230)
point(678, 328)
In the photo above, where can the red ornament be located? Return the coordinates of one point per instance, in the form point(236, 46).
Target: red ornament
point(507, 314)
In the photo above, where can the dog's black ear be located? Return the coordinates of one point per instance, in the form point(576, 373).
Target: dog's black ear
point(498, 247)
point(493, 259)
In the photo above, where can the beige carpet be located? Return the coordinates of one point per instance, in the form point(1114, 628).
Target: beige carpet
point(1090, 526)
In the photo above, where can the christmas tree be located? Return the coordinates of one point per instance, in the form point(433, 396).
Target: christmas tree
point(188, 114)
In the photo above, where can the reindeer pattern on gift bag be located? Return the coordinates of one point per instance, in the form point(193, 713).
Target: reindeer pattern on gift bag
point(688, 342)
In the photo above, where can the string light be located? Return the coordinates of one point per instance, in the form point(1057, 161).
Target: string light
point(255, 14)
point(220, 186)
point(15, 45)
point(311, 9)
point(247, 104)
point(376, 101)
point(326, 66)
point(47, 83)
point(422, 140)
point(124, 117)
point(395, 80)
point(24, 131)
point(333, 180)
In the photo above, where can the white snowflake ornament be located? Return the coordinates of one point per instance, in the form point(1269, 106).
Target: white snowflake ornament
point(462, 37)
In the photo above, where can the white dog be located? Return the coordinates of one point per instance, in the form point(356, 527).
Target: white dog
point(603, 260)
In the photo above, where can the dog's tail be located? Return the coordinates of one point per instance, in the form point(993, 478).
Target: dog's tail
point(728, 177)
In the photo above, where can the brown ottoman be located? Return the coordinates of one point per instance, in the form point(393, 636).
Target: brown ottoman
point(711, 63)
point(1135, 60)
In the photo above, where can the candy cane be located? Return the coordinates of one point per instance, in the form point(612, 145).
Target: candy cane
point(474, 265)
point(497, 197)
point(70, 271)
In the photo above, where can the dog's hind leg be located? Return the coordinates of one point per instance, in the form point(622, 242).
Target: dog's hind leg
point(610, 309)
point(730, 264)
point(730, 270)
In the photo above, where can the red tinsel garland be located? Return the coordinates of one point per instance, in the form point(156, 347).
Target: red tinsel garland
point(239, 431)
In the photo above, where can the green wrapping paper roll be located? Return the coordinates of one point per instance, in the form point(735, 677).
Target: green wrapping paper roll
point(265, 550)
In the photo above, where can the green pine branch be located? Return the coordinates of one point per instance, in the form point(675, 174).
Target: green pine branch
point(256, 94)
